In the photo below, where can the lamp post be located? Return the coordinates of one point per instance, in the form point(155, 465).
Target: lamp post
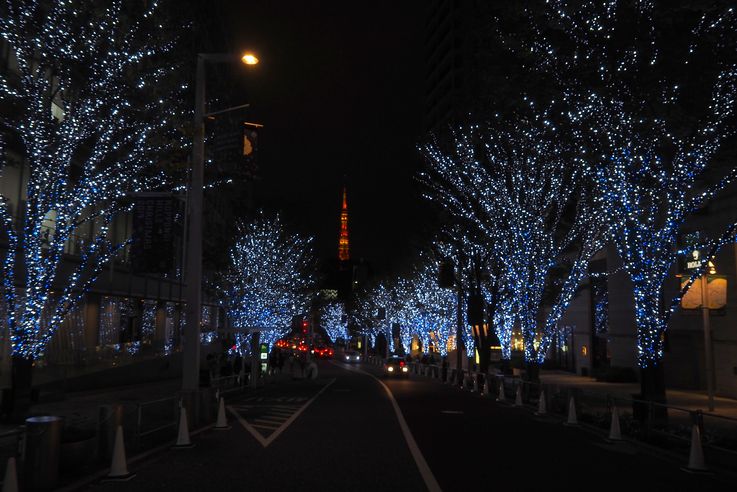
point(191, 339)
point(708, 347)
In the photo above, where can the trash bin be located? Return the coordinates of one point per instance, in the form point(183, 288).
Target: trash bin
point(42, 444)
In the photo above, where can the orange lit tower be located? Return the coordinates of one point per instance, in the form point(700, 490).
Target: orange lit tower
point(343, 246)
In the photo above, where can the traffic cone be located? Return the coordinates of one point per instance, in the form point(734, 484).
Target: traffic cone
point(500, 396)
point(518, 397)
point(118, 467)
point(696, 456)
point(541, 406)
point(222, 422)
point(183, 441)
point(572, 420)
point(615, 433)
point(10, 482)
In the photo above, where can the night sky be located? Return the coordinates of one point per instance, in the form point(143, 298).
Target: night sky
point(340, 92)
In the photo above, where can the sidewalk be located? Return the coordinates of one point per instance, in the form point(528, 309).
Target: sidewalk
point(685, 399)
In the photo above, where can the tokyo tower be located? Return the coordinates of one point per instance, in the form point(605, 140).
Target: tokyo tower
point(343, 246)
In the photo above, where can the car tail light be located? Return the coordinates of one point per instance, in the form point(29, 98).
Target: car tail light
point(401, 364)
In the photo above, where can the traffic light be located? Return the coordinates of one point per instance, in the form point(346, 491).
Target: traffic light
point(305, 326)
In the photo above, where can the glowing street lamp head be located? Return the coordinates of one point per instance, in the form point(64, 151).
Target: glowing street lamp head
point(249, 59)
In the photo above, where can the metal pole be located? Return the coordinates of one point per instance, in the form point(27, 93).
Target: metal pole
point(191, 342)
point(459, 328)
point(708, 347)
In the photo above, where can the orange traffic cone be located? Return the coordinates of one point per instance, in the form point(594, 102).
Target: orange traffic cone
point(10, 482)
point(222, 422)
point(118, 467)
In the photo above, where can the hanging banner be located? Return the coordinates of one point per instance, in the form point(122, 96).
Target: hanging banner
point(155, 233)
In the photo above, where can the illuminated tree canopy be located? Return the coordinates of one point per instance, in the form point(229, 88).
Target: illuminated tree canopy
point(651, 89)
point(523, 187)
point(89, 105)
point(270, 277)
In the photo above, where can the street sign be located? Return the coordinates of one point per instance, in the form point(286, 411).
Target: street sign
point(717, 293)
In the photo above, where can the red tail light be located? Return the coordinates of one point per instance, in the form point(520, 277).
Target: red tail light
point(401, 364)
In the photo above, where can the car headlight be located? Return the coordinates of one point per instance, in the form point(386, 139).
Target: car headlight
point(404, 369)
point(347, 358)
point(390, 369)
point(358, 357)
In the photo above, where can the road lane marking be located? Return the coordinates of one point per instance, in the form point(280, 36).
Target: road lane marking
point(453, 412)
point(266, 441)
point(430, 482)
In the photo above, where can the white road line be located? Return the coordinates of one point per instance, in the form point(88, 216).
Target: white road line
point(454, 412)
point(270, 421)
point(269, 427)
point(279, 430)
point(427, 475)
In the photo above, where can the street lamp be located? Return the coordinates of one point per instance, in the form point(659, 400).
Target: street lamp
point(191, 339)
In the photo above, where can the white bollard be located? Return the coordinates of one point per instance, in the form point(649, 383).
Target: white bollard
point(10, 482)
point(572, 420)
point(541, 405)
point(518, 397)
point(487, 387)
point(222, 421)
point(615, 433)
point(696, 455)
point(500, 396)
point(183, 441)
point(118, 467)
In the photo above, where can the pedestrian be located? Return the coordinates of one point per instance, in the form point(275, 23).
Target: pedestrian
point(237, 364)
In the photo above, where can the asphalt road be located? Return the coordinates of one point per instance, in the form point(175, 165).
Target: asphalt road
point(340, 432)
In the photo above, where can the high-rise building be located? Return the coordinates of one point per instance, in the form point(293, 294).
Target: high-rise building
point(449, 58)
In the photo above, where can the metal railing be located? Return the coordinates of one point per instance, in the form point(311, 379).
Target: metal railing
point(156, 416)
point(11, 443)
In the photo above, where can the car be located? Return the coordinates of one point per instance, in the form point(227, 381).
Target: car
point(324, 352)
point(396, 366)
point(351, 356)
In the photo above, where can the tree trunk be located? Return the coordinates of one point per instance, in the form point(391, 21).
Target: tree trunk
point(506, 367)
point(20, 391)
point(532, 372)
point(652, 389)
